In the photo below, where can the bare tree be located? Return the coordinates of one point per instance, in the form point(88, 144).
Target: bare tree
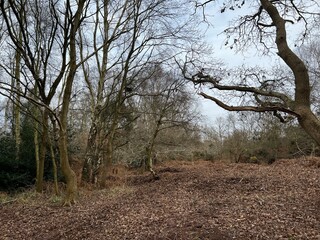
point(134, 34)
point(164, 104)
point(263, 95)
point(25, 39)
point(47, 28)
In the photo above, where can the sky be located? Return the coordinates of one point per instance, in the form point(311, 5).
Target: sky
point(216, 39)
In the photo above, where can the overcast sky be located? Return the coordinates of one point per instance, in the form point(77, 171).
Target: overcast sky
point(216, 39)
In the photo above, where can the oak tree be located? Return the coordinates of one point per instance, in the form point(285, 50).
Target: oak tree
point(259, 92)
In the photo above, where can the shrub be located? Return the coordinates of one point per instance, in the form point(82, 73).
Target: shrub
point(14, 173)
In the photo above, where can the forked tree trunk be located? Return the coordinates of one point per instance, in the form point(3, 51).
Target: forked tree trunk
point(69, 174)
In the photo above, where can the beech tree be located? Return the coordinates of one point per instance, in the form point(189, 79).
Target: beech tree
point(259, 92)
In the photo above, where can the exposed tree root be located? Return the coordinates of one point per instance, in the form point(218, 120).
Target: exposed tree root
point(154, 174)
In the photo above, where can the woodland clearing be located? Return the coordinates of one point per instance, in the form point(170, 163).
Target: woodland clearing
point(192, 200)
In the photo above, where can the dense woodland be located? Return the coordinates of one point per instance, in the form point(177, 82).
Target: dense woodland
point(89, 85)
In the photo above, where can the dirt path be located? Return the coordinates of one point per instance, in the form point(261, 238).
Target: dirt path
point(200, 200)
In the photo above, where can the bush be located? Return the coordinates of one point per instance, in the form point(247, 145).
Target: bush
point(17, 173)
point(14, 173)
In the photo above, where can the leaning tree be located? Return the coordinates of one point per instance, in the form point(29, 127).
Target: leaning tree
point(286, 96)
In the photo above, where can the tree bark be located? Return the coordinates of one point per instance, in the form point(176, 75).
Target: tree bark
point(89, 159)
point(150, 148)
point(299, 107)
point(94, 154)
point(106, 161)
point(36, 148)
point(308, 121)
point(42, 150)
point(53, 157)
point(16, 105)
point(92, 163)
point(66, 169)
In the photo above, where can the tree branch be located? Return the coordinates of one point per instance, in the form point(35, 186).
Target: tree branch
point(248, 108)
point(202, 79)
point(302, 90)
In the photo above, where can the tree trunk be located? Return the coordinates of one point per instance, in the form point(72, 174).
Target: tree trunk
point(68, 173)
point(301, 105)
point(16, 105)
point(43, 151)
point(94, 154)
point(92, 163)
point(106, 159)
point(53, 158)
point(17, 127)
point(36, 147)
point(310, 123)
point(149, 161)
point(150, 147)
point(36, 120)
point(87, 170)
point(6, 116)
point(54, 170)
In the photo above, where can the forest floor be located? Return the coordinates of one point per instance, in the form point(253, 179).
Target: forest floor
point(192, 200)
